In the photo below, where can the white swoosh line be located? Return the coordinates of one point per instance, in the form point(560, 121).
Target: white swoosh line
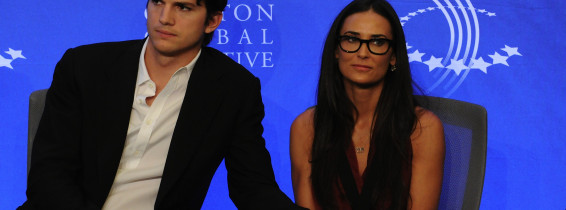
point(468, 28)
point(476, 46)
point(459, 25)
point(450, 49)
point(468, 41)
point(460, 37)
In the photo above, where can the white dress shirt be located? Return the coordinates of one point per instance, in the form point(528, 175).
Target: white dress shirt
point(148, 139)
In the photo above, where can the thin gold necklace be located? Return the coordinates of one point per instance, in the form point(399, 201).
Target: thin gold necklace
point(362, 148)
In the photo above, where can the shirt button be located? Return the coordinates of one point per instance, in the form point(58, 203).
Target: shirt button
point(137, 152)
point(148, 122)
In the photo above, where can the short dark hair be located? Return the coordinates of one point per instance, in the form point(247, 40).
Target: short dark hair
point(212, 7)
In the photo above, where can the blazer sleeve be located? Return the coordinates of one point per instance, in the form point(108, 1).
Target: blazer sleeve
point(251, 180)
point(53, 181)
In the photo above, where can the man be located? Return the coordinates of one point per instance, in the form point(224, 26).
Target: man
point(144, 124)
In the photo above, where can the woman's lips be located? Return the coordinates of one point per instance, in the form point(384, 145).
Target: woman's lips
point(360, 67)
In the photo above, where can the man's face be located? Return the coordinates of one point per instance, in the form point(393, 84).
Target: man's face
point(177, 27)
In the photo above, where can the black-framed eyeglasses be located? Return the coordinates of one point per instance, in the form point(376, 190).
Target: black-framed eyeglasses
point(377, 46)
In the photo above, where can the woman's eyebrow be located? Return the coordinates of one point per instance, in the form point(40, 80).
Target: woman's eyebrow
point(378, 36)
point(352, 32)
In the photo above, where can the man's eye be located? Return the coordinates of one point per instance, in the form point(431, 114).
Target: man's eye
point(184, 7)
point(156, 1)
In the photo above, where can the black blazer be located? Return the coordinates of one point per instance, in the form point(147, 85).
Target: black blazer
point(81, 135)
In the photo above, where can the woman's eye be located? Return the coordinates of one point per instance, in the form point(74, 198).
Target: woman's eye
point(378, 42)
point(352, 39)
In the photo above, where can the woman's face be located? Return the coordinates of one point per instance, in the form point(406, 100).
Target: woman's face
point(363, 68)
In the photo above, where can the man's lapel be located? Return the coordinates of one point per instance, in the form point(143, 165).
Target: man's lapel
point(116, 109)
point(202, 99)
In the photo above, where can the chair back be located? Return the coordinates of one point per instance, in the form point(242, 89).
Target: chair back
point(465, 131)
point(36, 105)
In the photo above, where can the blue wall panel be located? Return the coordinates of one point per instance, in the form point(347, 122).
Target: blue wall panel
point(506, 55)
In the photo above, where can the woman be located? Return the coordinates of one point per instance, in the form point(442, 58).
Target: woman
point(367, 144)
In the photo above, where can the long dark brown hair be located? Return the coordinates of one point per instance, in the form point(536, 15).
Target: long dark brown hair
point(335, 113)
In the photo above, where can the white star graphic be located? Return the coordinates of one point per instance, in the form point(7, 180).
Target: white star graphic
point(430, 8)
point(15, 53)
point(5, 62)
point(413, 14)
point(481, 10)
point(416, 56)
point(511, 51)
point(480, 64)
point(457, 66)
point(421, 10)
point(402, 23)
point(405, 18)
point(499, 59)
point(490, 14)
point(408, 47)
point(433, 63)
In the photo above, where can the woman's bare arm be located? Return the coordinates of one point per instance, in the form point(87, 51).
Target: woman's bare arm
point(301, 138)
point(428, 161)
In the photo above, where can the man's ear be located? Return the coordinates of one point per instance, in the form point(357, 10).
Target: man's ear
point(213, 22)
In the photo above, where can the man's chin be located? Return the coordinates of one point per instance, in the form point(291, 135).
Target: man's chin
point(168, 52)
point(165, 49)
point(170, 48)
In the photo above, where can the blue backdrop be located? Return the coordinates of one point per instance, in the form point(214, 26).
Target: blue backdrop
point(506, 55)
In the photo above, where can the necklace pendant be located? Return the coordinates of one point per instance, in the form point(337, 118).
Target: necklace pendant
point(359, 149)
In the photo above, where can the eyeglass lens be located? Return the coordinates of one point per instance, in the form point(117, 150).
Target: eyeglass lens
point(353, 44)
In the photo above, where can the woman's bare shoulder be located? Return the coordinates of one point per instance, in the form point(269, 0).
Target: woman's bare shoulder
point(302, 129)
point(428, 129)
point(304, 121)
point(427, 118)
